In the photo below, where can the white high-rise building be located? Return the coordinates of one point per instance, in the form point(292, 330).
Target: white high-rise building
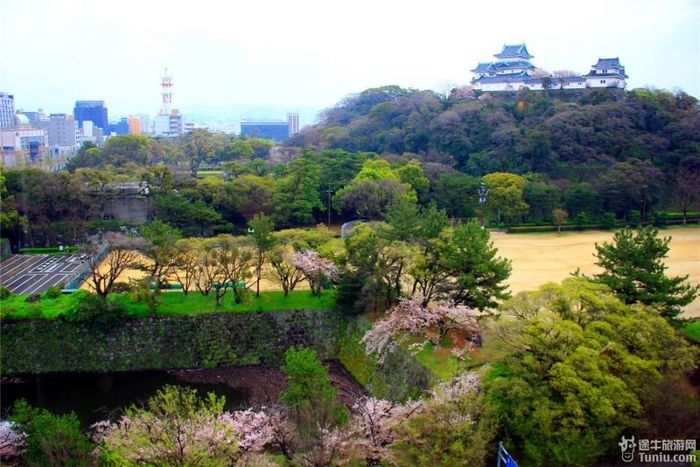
point(7, 110)
point(293, 122)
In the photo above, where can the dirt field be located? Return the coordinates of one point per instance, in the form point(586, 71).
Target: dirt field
point(542, 258)
point(265, 282)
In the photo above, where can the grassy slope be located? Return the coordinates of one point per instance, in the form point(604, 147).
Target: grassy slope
point(692, 330)
point(172, 303)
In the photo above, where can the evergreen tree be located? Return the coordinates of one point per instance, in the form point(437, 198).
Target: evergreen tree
point(634, 269)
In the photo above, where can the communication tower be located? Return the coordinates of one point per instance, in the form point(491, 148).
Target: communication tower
point(166, 82)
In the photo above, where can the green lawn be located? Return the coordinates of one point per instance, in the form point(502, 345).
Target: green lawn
point(692, 330)
point(171, 303)
point(210, 173)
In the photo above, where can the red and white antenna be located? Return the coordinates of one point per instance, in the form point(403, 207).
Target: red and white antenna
point(166, 82)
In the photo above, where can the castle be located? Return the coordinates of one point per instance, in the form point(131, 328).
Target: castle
point(513, 70)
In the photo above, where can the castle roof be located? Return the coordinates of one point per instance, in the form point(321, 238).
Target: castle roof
point(514, 64)
point(483, 67)
point(608, 63)
point(511, 78)
point(513, 51)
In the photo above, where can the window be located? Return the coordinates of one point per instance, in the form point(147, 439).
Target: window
point(602, 81)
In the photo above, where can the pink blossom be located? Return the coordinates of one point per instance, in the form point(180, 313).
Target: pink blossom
point(410, 317)
point(315, 268)
point(455, 389)
point(12, 443)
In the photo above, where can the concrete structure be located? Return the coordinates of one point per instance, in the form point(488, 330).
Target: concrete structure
point(293, 122)
point(35, 118)
point(118, 128)
point(513, 71)
point(7, 110)
point(276, 130)
point(22, 146)
point(126, 202)
point(145, 124)
point(94, 111)
point(168, 125)
point(134, 125)
point(64, 134)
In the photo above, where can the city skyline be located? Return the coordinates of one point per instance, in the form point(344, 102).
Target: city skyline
point(299, 57)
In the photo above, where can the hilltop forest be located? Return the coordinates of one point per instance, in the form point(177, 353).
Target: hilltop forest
point(596, 156)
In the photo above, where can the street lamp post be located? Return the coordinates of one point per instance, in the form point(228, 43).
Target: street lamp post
point(483, 192)
point(328, 192)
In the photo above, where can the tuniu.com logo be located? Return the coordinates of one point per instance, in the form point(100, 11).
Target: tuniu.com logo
point(627, 446)
point(658, 450)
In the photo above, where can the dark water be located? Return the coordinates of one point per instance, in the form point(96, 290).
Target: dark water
point(97, 396)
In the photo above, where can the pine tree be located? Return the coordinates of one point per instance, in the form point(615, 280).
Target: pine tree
point(634, 269)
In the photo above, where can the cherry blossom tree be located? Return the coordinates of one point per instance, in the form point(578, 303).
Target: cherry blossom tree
point(12, 443)
point(315, 268)
point(410, 317)
point(253, 428)
point(175, 428)
point(373, 426)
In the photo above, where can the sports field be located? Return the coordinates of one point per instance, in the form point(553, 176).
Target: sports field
point(549, 257)
point(36, 273)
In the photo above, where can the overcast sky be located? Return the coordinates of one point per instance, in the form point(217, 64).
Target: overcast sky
point(229, 58)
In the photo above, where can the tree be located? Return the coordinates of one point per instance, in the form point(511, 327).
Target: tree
point(309, 395)
point(233, 261)
point(454, 427)
point(285, 271)
point(474, 275)
point(560, 216)
point(261, 229)
point(122, 253)
point(369, 198)
point(634, 269)
point(316, 269)
point(412, 175)
point(185, 260)
point(51, 439)
point(198, 146)
point(296, 195)
point(688, 184)
point(190, 218)
point(12, 443)
point(505, 196)
point(412, 317)
point(457, 194)
point(159, 249)
point(175, 428)
point(580, 367)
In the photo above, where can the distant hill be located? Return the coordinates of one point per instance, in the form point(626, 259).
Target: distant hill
point(577, 136)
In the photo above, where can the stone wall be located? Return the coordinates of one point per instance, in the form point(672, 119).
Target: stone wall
point(202, 340)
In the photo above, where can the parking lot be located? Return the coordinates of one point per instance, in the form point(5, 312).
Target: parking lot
point(36, 273)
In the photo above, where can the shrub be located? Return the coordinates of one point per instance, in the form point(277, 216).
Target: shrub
point(52, 439)
point(34, 310)
point(660, 219)
point(310, 396)
point(4, 293)
point(94, 309)
point(608, 220)
point(53, 292)
point(634, 217)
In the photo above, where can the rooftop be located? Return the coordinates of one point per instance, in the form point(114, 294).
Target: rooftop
point(513, 51)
